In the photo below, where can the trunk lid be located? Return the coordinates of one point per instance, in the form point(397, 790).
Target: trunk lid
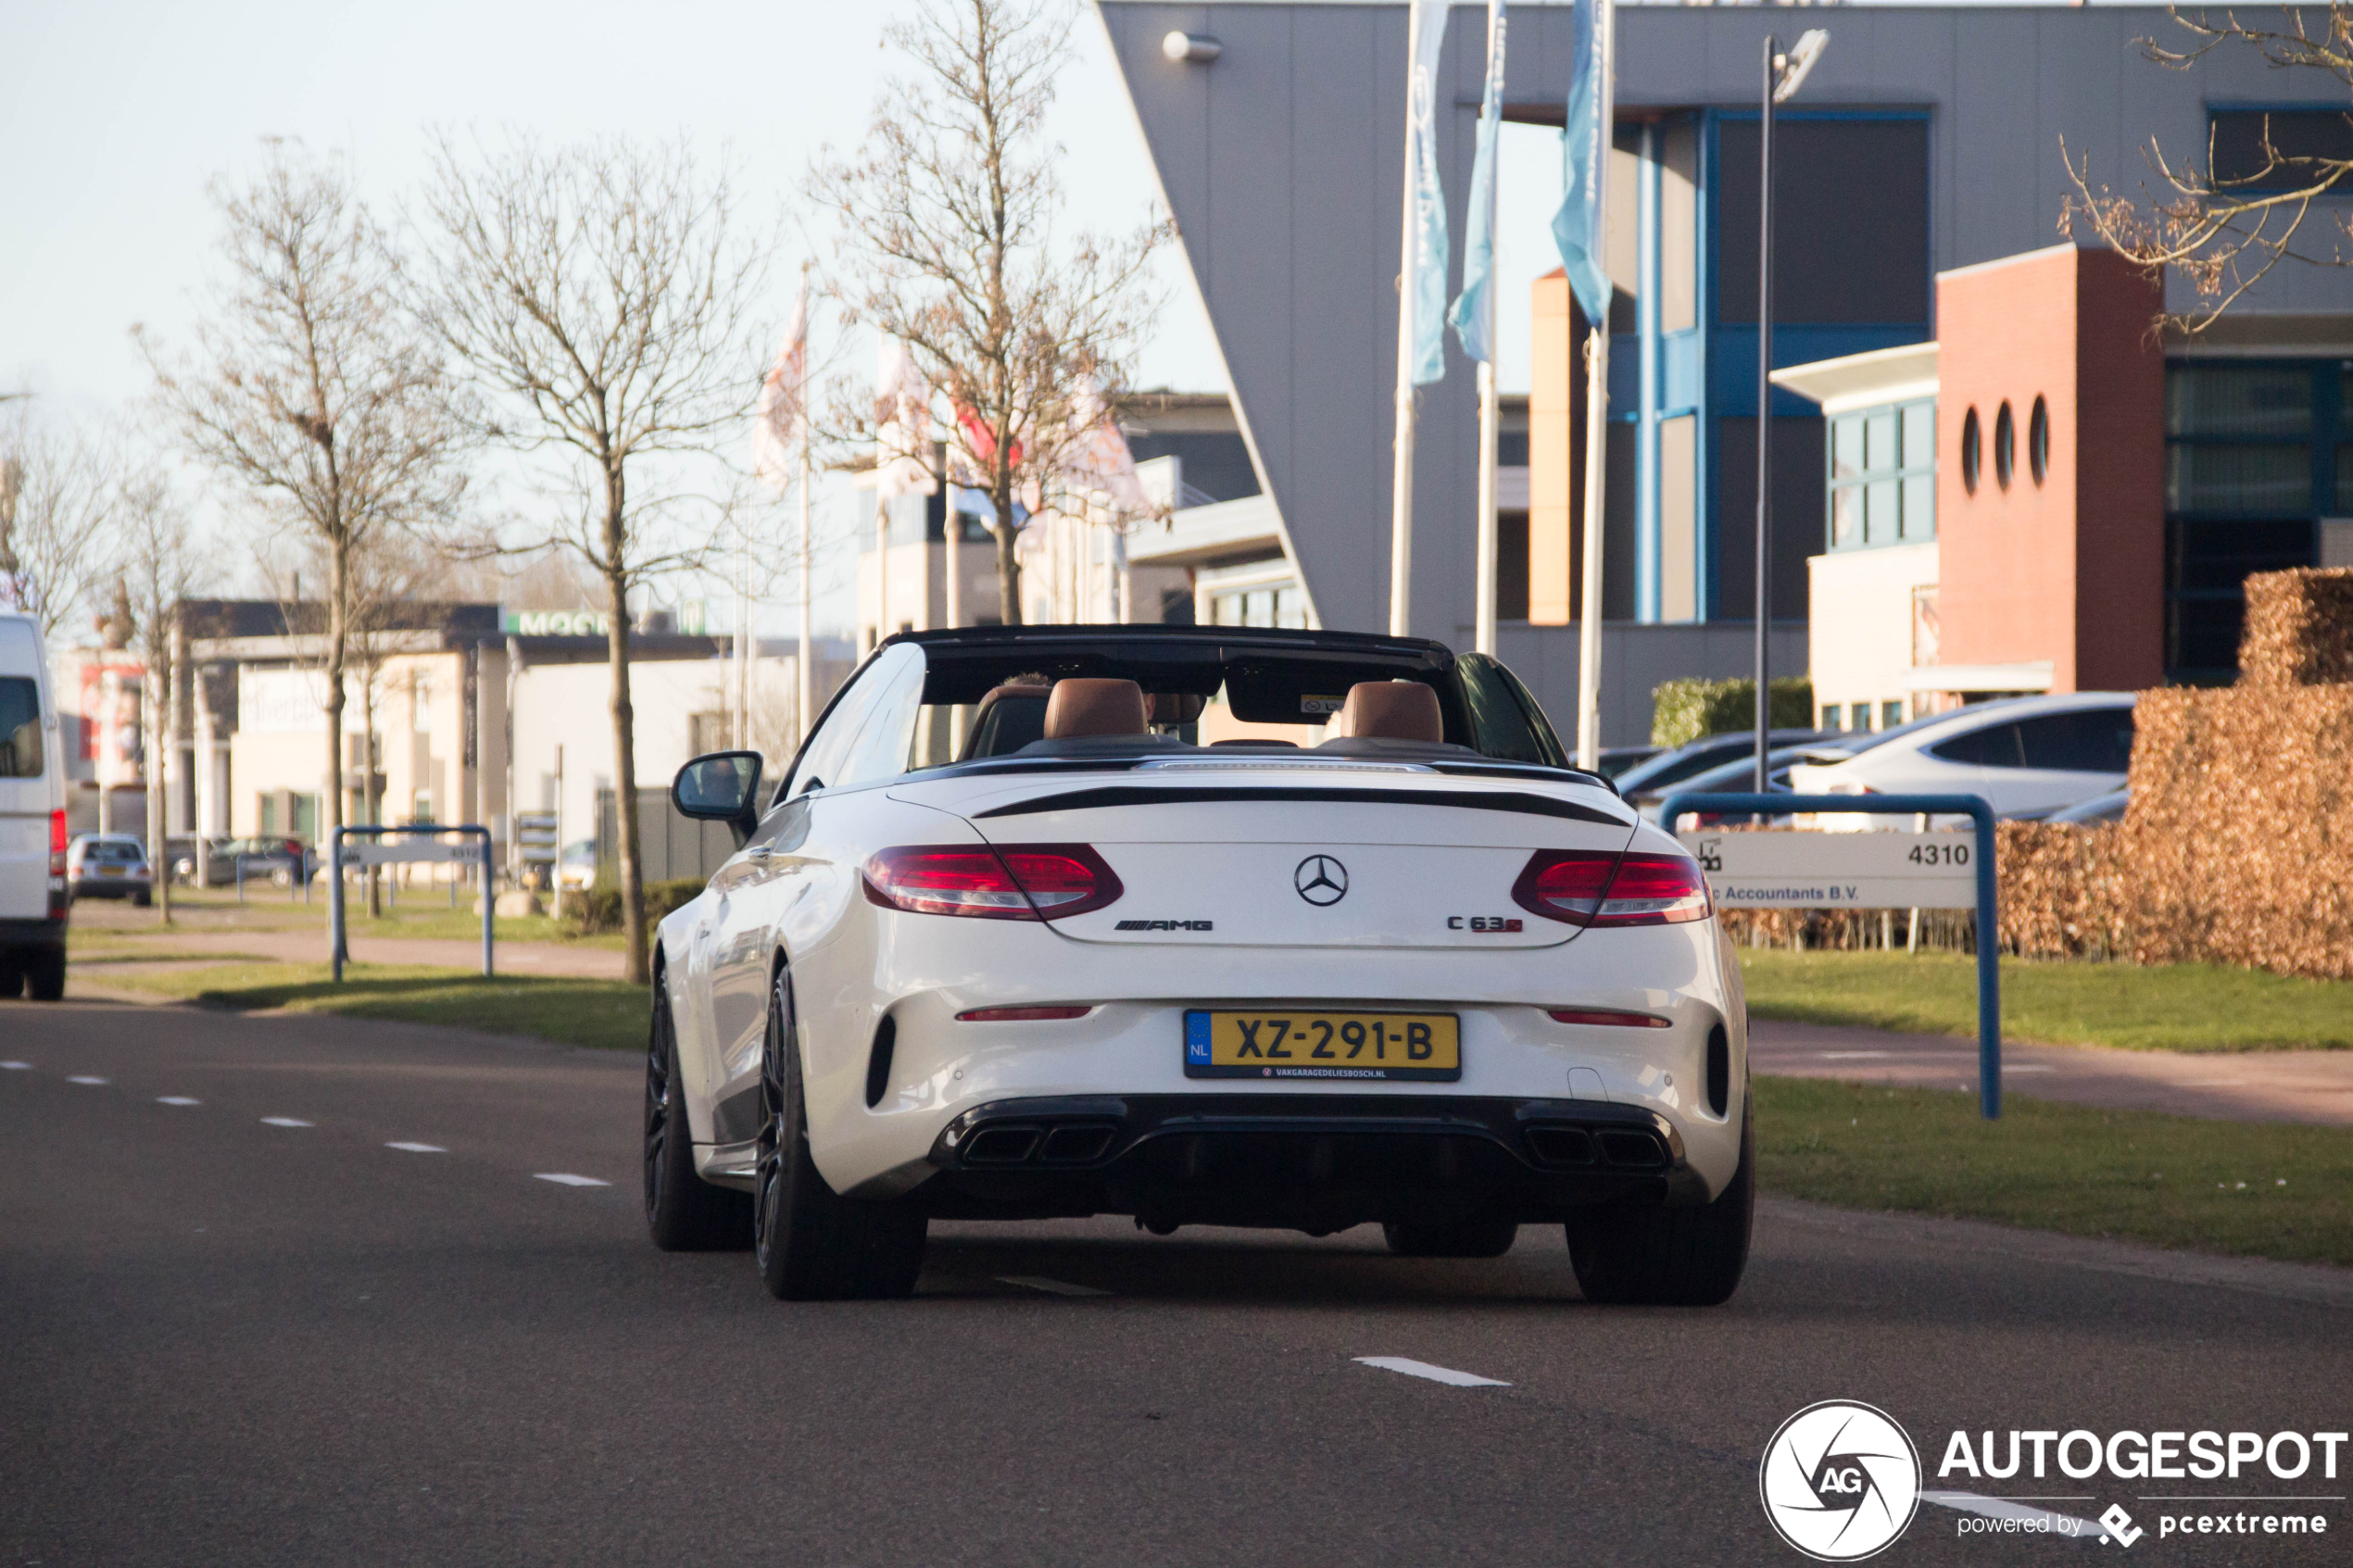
point(1297, 854)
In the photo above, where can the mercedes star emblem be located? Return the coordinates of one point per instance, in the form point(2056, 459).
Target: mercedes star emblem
point(1321, 880)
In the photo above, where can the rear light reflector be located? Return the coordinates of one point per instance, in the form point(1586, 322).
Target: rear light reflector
point(1010, 882)
point(1020, 1015)
point(1606, 1018)
point(1589, 887)
point(57, 841)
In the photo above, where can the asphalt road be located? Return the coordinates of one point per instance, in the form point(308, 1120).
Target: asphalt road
point(233, 1342)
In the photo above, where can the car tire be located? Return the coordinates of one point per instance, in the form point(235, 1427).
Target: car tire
point(143, 900)
point(1481, 1237)
point(44, 975)
point(11, 977)
point(1646, 1254)
point(684, 1212)
point(812, 1244)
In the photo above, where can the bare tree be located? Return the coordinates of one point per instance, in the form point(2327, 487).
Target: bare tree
point(2225, 222)
point(58, 491)
point(601, 296)
point(314, 392)
point(947, 214)
point(161, 566)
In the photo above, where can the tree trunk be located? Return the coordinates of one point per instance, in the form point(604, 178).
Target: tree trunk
point(1008, 564)
point(373, 804)
point(331, 797)
point(624, 753)
point(156, 687)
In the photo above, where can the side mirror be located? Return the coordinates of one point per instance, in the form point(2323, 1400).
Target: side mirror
point(721, 787)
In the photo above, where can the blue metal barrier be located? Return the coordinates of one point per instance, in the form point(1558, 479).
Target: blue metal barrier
point(1989, 974)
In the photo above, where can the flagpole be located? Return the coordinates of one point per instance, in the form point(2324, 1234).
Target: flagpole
point(1589, 630)
point(1400, 509)
point(1490, 411)
point(808, 681)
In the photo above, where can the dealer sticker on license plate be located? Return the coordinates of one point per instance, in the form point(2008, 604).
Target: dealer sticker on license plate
point(1284, 1044)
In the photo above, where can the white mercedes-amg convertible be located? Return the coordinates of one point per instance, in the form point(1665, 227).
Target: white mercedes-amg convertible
point(1205, 925)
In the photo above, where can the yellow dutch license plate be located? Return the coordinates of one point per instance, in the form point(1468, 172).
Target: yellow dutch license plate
point(1281, 1042)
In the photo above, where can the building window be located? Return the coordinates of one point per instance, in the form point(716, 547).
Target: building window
point(1969, 452)
point(2038, 441)
point(2256, 453)
point(1274, 605)
point(1882, 479)
point(421, 807)
point(2264, 150)
point(1890, 714)
point(2005, 446)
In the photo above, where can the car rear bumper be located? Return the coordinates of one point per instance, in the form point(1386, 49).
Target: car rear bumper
point(22, 933)
point(1317, 1163)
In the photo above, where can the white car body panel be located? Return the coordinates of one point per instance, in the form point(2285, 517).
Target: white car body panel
point(795, 891)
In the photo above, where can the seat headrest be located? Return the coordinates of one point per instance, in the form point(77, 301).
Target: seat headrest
point(1081, 707)
point(1390, 711)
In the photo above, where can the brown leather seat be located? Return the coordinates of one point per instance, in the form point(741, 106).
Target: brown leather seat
point(1390, 711)
point(1082, 707)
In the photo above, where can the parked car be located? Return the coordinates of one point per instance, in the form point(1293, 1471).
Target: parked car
point(1172, 977)
point(109, 865)
point(1615, 759)
point(2099, 809)
point(1736, 777)
point(34, 902)
point(1713, 751)
point(277, 858)
point(579, 864)
point(2025, 755)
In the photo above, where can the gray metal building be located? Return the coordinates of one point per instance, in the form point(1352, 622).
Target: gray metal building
point(1929, 138)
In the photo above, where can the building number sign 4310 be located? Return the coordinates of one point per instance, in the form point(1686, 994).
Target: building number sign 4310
point(1932, 854)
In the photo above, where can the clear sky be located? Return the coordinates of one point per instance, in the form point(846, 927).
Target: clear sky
point(115, 117)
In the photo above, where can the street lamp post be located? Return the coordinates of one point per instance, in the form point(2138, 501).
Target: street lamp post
point(1784, 73)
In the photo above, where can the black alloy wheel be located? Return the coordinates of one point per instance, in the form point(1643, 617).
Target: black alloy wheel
point(812, 1244)
point(684, 1212)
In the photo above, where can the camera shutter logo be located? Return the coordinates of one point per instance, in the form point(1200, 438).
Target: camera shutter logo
point(1840, 1481)
point(1321, 880)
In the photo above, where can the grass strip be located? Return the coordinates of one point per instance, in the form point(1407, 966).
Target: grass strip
point(2166, 1006)
point(607, 1014)
point(2260, 1189)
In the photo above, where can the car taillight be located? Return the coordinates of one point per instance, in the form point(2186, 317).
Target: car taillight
point(60, 904)
point(1011, 882)
point(1591, 888)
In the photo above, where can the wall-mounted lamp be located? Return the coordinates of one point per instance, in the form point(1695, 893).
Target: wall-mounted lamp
point(1198, 47)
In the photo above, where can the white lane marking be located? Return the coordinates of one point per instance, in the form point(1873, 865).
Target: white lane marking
point(284, 1122)
point(1447, 1376)
point(176, 1099)
point(418, 1147)
point(1051, 1287)
point(81, 1080)
point(2065, 1524)
point(566, 1179)
point(1851, 1056)
point(16, 1066)
point(2028, 1068)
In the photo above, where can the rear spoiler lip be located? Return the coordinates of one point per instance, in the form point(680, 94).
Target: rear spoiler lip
point(1105, 796)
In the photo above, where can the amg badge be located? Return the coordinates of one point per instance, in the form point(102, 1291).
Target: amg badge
point(1165, 925)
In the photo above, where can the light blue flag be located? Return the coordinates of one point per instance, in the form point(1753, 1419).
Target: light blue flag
point(1469, 315)
point(1577, 227)
point(1427, 27)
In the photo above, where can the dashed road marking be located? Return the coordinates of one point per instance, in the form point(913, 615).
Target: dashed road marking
point(176, 1099)
point(418, 1147)
point(1051, 1287)
point(284, 1122)
point(1851, 1056)
point(16, 1066)
point(1447, 1376)
point(78, 1079)
point(566, 1179)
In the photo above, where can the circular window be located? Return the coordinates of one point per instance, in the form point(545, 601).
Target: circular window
point(2005, 447)
point(1969, 452)
point(2038, 440)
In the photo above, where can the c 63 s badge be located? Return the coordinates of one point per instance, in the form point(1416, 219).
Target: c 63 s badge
point(1492, 925)
point(1165, 925)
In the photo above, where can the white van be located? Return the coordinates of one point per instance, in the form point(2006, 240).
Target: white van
point(32, 820)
